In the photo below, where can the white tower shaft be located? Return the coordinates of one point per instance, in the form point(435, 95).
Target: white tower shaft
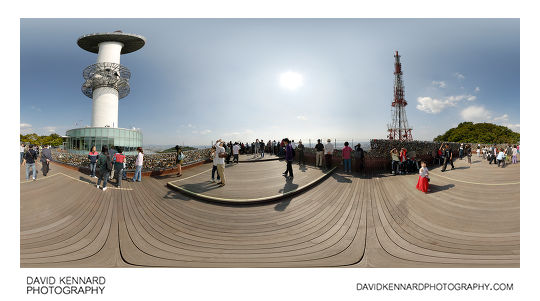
point(105, 99)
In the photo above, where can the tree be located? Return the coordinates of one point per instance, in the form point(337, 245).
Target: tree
point(468, 132)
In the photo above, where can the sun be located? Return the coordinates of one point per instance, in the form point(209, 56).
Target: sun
point(291, 80)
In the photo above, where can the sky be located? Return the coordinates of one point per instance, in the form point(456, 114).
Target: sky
point(197, 80)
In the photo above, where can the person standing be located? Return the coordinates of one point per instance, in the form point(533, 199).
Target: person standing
point(178, 160)
point(261, 148)
point(112, 151)
point(46, 157)
point(22, 152)
point(359, 157)
point(328, 152)
point(468, 153)
point(235, 150)
point(394, 155)
point(508, 154)
point(319, 150)
point(257, 146)
point(423, 178)
point(93, 156)
point(500, 158)
point(346, 154)
point(119, 161)
point(214, 157)
point(514, 154)
point(461, 150)
point(104, 165)
point(29, 161)
point(137, 176)
point(288, 157)
point(300, 149)
point(478, 151)
point(403, 160)
point(221, 154)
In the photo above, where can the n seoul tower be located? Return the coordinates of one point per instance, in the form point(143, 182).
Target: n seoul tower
point(107, 81)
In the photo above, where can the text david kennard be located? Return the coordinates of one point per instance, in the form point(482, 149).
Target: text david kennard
point(65, 285)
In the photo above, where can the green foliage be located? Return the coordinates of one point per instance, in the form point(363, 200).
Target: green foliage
point(469, 132)
point(52, 139)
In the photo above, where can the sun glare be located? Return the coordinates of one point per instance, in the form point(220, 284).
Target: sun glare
point(291, 80)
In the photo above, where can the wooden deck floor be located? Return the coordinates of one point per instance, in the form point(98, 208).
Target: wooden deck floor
point(471, 219)
point(249, 183)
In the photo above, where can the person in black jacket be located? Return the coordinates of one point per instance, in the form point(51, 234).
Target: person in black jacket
point(319, 148)
point(29, 161)
point(46, 157)
point(104, 165)
point(448, 156)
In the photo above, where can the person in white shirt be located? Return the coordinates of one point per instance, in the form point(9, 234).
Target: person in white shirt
point(137, 176)
point(221, 154)
point(328, 152)
point(423, 178)
point(235, 151)
point(214, 162)
point(293, 144)
point(22, 152)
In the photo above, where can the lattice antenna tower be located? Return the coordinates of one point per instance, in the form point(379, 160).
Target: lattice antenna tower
point(399, 129)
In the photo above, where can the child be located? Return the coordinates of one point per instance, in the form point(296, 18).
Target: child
point(423, 179)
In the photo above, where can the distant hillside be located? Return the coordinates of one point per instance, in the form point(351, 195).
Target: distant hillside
point(173, 150)
point(480, 133)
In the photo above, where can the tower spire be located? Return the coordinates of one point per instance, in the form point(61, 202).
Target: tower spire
point(399, 129)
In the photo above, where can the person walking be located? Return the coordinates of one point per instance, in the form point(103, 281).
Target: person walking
point(235, 150)
point(423, 178)
point(448, 156)
point(93, 156)
point(29, 161)
point(46, 157)
point(22, 152)
point(137, 176)
point(300, 149)
point(104, 165)
point(346, 154)
point(178, 160)
point(514, 154)
point(221, 154)
point(288, 157)
point(119, 161)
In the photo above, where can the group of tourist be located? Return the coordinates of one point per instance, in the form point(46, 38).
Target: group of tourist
point(403, 162)
point(111, 163)
point(501, 155)
point(29, 155)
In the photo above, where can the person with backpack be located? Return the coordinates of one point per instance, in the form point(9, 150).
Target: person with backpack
point(119, 161)
point(29, 161)
point(179, 159)
point(104, 165)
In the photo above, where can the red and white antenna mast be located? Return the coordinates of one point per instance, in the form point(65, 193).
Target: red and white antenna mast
point(399, 129)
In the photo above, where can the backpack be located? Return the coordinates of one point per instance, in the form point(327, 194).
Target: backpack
point(181, 157)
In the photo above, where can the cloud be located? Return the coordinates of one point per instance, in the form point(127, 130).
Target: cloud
point(459, 76)
point(25, 125)
point(300, 117)
point(477, 89)
point(476, 114)
point(434, 105)
point(26, 128)
point(50, 129)
point(204, 132)
point(481, 114)
point(35, 108)
point(441, 84)
point(190, 125)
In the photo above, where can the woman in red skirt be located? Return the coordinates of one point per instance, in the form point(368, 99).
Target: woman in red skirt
point(423, 178)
